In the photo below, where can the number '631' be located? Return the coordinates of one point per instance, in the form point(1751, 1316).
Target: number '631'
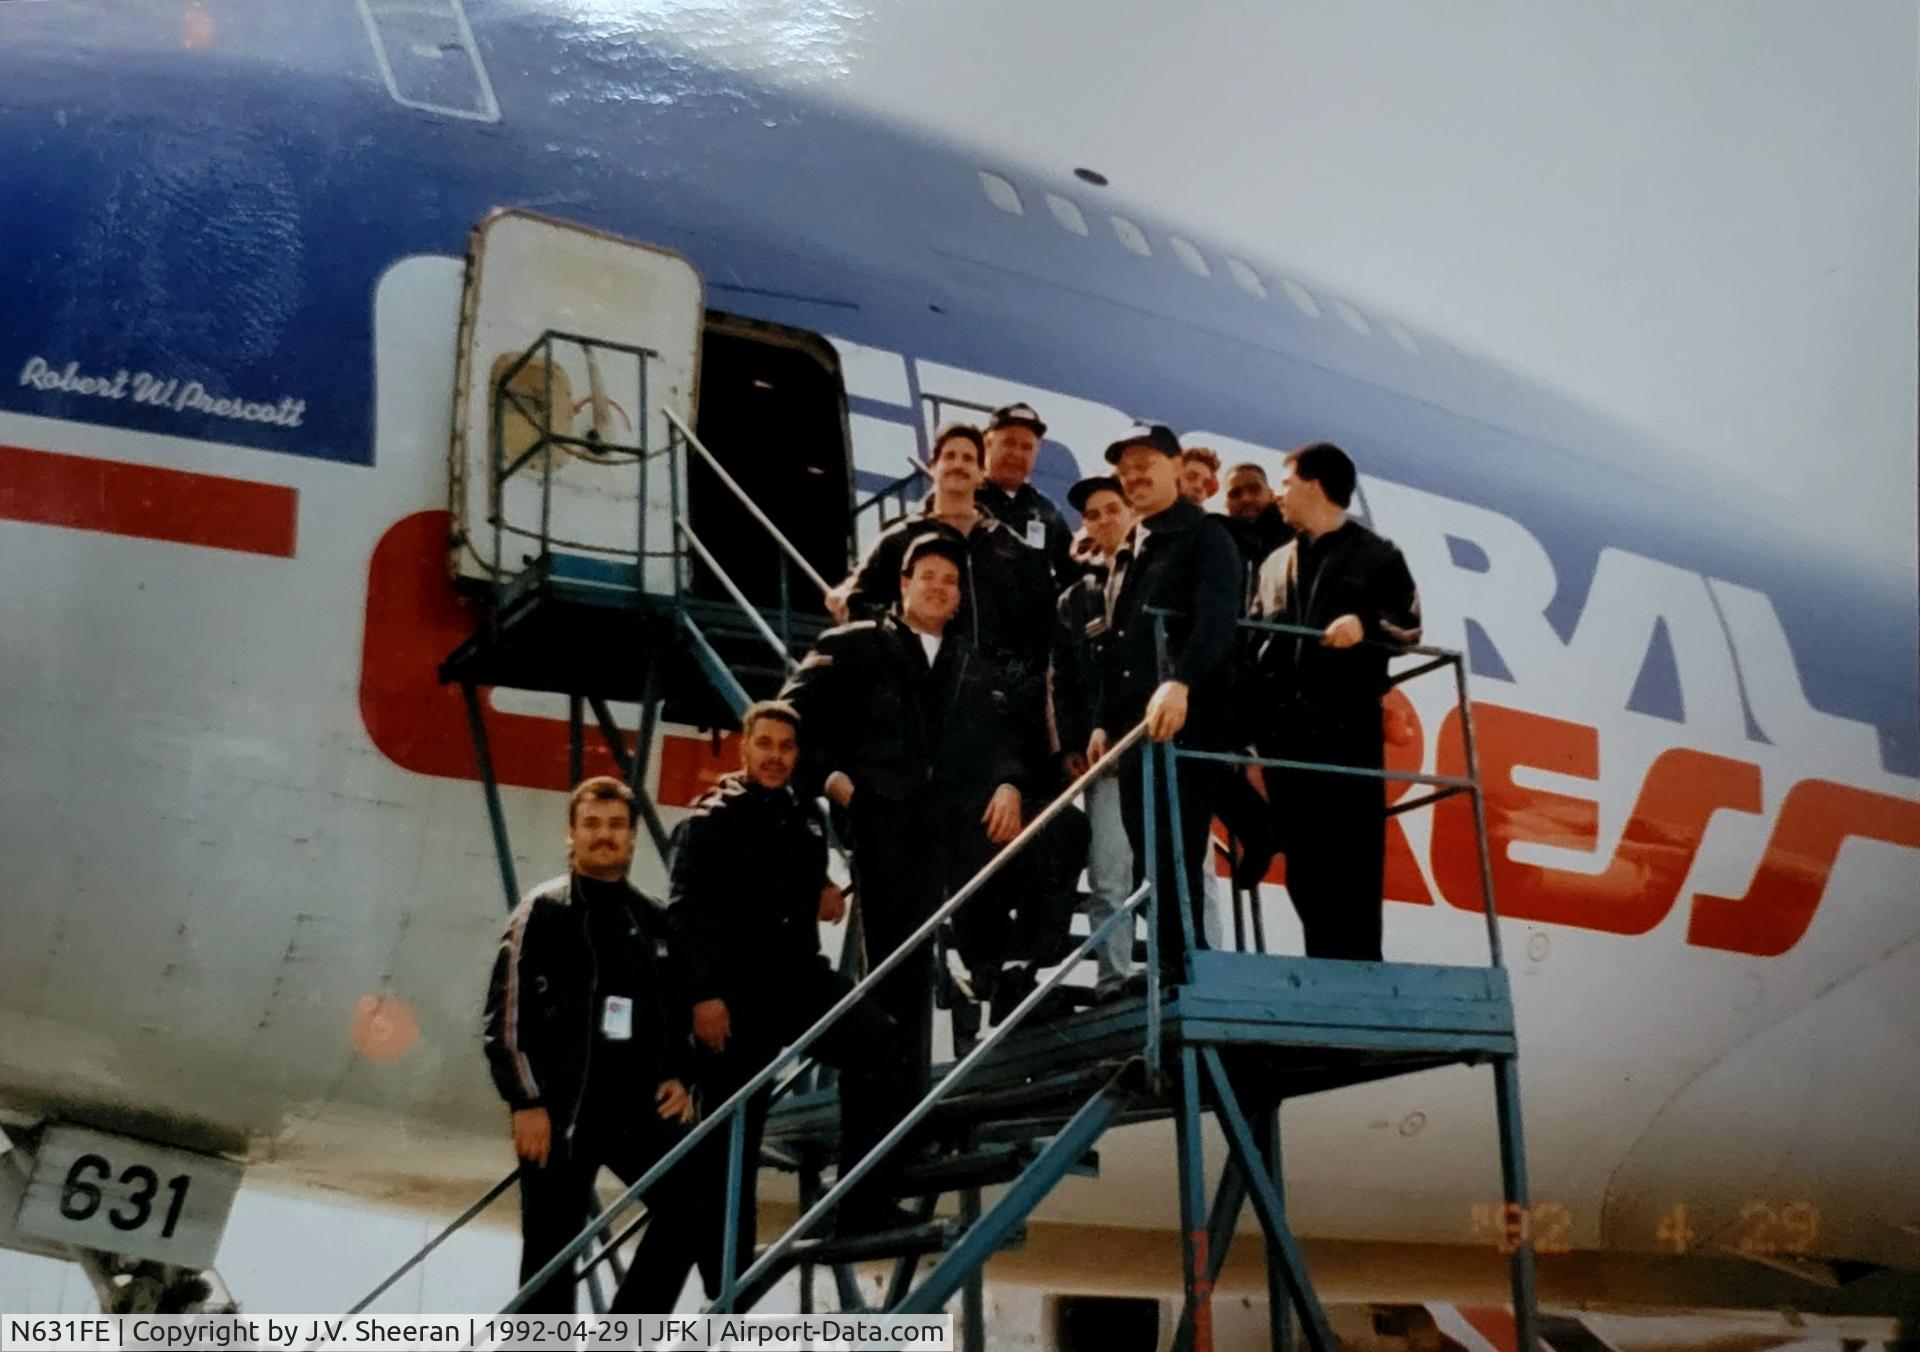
point(80, 1195)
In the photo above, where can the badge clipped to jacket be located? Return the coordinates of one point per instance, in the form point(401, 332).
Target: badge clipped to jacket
point(616, 1019)
point(1037, 533)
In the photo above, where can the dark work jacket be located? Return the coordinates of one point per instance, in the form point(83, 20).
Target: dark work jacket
point(1258, 539)
point(556, 965)
point(1307, 689)
point(1006, 608)
point(1189, 566)
point(744, 903)
point(1020, 510)
point(873, 709)
point(1079, 644)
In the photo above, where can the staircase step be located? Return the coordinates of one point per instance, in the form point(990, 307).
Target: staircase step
point(912, 1239)
point(981, 1167)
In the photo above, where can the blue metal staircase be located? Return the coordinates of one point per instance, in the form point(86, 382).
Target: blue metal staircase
point(1025, 1108)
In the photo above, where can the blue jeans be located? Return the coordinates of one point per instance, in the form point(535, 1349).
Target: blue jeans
point(1109, 880)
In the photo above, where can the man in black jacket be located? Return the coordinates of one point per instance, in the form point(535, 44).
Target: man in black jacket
point(1181, 561)
point(1006, 591)
point(586, 1035)
point(749, 893)
point(1320, 698)
point(1013, 439)
point(908, 731)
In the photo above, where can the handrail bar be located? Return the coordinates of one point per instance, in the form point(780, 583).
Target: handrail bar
point(753, 508)
point(752, 612)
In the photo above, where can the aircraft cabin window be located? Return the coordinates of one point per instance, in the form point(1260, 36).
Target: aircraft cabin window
point(1402, 337)
point(1190, 256)
point(1302, 298)
point(1354, 319)
point(1131, 236)
point(1068, 214)
point(1249, 279)
point(1002, 193)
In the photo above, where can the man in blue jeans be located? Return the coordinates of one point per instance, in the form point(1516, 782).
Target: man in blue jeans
point(1085, 613)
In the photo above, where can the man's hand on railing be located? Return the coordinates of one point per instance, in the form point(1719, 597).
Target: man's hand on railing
point(674, 1103)
point(1344, 632)
point(833, 904)
point(1096, 747)
point(837, 601)
point(532, 1135)
point(712, 1024)
point(1167, 711)
point(839, 789)
point(1002, 815)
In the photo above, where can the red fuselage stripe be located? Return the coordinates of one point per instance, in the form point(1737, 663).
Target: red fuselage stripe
point(152, 503)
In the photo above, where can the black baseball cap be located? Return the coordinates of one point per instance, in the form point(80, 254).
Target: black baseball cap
point(1017, 415)
point(1094, 483)
point(1157, 435)
point(944, 543)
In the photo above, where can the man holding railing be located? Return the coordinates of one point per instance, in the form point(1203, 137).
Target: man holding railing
point(1319, 698)
point(1169, 661)
point(749, 893)
point(908, 731)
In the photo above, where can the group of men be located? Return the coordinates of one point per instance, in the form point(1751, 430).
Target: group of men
point(986, 656)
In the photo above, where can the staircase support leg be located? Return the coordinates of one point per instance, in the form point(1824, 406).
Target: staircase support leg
point(1229, 1199)
point(1513, 1174)
point(1025, 1193)
point(1195, 1276)
point(496, 813)
point(633, 768)
point(1271, 1209)
point(576, 739)
point(973, 1300)
point(809, 1194)
point(1279, 1308)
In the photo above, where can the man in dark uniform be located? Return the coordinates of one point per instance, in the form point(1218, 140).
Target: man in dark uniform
point(1085, 621)
point(1007, 612)
point(1007, 592)
point(1320, 698)
point(908, 732)
point(586, 1035)
point(1181, 560)
point(749, 893)
point(1014, 434)
point(1253, 514)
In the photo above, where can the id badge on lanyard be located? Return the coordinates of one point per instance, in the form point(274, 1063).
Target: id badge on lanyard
point(616, 1019)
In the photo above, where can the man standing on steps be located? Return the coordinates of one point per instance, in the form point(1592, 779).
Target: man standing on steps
point(586, 1035)
point(1006, 589)
point(1320, 698)
point(1182, 563)
point(749, 893)
point(1085, 609)
point(907, 731)
point(1013, 438)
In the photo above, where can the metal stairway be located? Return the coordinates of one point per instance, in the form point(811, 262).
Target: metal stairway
point(1242, 1033)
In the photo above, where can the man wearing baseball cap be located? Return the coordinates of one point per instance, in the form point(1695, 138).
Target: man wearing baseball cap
point(1014, 433)
point(1185, 563)
point(1085, 621)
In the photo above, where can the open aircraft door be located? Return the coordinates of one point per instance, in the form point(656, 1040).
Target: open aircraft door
point(588, 339)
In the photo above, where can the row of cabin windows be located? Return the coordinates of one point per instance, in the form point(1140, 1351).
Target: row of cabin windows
point(1067, 213)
